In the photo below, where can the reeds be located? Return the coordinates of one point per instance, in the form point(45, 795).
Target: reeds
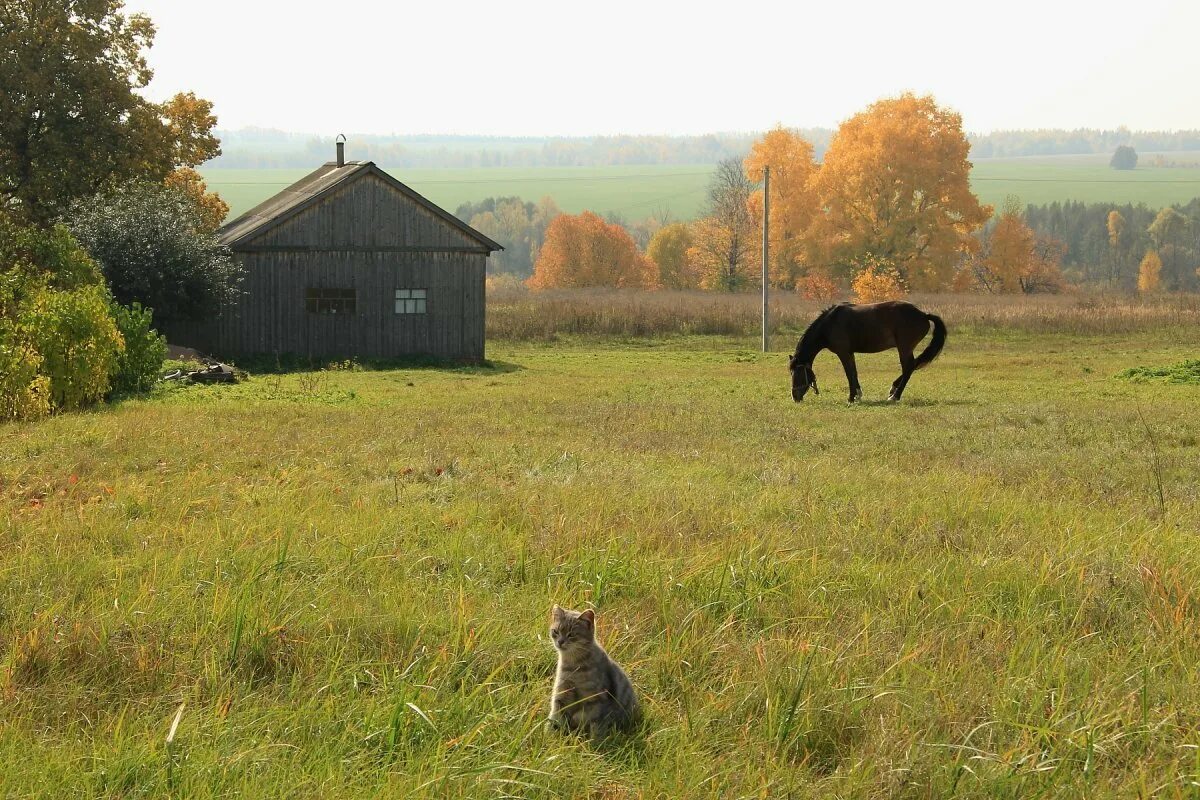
point(518, 315)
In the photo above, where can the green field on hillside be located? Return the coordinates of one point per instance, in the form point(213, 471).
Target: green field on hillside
point(337, 583)
point(1040, 180)
point(637, 192)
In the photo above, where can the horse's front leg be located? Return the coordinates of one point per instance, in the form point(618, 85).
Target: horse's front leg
point(851, 375)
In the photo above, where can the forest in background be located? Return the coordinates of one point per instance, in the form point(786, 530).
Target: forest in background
point(266, 148)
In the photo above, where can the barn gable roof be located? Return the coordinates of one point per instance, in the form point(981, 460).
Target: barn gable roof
point(319, 184)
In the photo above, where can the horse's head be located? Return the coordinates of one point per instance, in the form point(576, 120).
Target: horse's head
point(803, 379)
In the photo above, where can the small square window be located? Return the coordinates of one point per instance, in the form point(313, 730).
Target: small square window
point(410, 301)
point(332, 302)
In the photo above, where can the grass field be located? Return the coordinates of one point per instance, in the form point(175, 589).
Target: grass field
point(337, 583)
point(1040, 180)
point(637, 192)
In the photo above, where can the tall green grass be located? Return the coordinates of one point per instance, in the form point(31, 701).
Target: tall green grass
point(344, 582)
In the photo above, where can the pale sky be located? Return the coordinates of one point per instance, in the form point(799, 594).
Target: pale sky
point(511, 67)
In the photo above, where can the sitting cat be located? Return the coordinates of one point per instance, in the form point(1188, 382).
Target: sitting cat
point(591, 693)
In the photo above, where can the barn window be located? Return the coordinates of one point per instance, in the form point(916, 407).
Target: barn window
point(340, 302)
point(410, 301)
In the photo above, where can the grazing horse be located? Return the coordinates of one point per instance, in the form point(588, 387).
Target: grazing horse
point(848, 328)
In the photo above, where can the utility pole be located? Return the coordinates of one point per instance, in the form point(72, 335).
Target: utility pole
point(766, 239)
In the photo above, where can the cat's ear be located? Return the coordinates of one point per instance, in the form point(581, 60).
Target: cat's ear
point(589, 617)
point(556, 612)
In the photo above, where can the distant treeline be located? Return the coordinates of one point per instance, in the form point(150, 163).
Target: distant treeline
point(1092, 256)
point(274, 149)
point(1009, 144)
point(259, 148)
point(1095, 256)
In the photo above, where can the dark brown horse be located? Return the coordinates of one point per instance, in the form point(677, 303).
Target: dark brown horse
point(847, 328)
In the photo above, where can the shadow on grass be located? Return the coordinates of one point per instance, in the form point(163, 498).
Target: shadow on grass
point(916, 402)
point(283, 365)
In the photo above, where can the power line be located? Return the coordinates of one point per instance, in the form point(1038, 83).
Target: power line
point(641, 203)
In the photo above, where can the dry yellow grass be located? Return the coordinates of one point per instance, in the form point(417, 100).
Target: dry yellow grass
point(520, 315)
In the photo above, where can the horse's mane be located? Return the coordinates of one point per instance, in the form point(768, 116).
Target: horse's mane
point(812, 333)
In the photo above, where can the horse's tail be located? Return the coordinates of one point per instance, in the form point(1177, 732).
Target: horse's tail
point(936, 344)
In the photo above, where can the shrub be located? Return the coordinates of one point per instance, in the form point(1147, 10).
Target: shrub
point(77, 338)
point(24, 392)
point(62, 339)
point(818, 287)
point(152, 244)
point(51, 256)
point(145, 350)
point(878, 281)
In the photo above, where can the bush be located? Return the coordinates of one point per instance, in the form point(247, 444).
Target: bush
point(50, 256)
point(818, 287)
point(878, 281)
point(145, 350)
point(78, 341)
point(153, 246)
point(24, 392)
point(62, 338)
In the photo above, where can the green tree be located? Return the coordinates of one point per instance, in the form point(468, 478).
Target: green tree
point(668, 249)
point(1169, 233)
point(154, 247)
point(73, 119)
point(1124, 157)
point(518, 225)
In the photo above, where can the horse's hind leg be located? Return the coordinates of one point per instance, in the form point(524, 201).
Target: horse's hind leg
point(851, 375)
point(907, 364)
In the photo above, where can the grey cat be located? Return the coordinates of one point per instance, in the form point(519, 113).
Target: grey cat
point(591, 693)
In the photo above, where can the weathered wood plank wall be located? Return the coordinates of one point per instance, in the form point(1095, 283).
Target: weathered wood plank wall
point(366, 237)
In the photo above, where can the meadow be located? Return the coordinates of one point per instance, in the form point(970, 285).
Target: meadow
point(337, 582)
point(636, 192)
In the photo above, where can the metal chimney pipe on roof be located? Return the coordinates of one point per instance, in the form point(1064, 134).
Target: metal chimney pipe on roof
point(341, 149)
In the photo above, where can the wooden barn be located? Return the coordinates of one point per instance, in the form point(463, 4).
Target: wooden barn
point(350, 262)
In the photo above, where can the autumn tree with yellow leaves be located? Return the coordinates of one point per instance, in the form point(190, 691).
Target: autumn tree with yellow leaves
point(724, 247)
point(793, 202)
point(74, 120)
point(1014, 259)
point(668, 249)
point(894, 185)
point(877, 280)
point(210, 208)
point(582, 250)
point(1150, 273)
